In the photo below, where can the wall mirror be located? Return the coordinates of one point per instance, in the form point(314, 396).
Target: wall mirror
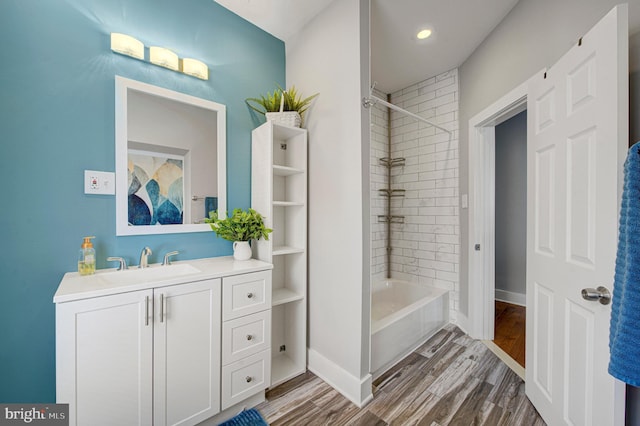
point(170, 160)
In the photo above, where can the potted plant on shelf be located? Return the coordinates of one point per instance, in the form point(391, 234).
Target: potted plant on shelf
point(241, 227)
point(283, 106)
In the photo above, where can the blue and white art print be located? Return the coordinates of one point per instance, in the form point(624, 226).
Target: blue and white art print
point(155, 188)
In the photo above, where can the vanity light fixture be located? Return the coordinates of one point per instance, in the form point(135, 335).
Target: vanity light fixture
point(422, 34)
point(195, 68)
point(164, 58)
point(127, 45)
point(130, 46)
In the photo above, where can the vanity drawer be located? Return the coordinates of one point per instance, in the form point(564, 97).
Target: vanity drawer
point(245, 336)
point(245, 378)
point(245, 294)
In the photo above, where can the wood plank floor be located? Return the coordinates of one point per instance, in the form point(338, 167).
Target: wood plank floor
point(450, 380)
point(510, 324)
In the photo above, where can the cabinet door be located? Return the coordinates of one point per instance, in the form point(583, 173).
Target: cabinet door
point(186, 353)
point(103, 359)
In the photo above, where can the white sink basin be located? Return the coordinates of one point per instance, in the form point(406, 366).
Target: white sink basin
point(154, 273)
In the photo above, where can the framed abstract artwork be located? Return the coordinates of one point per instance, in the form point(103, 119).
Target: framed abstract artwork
point(155, 188)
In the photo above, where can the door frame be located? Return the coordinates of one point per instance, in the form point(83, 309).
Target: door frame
point(481, 221)
point(481, 214)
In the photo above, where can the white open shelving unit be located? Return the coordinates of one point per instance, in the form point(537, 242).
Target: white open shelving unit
point(279, 192)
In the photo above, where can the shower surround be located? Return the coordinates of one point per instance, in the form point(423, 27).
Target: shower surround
point(426, 247)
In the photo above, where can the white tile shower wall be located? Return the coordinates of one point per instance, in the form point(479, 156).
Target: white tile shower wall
point(426, 248)
point(379, 180)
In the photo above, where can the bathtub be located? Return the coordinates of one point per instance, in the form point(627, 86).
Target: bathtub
point(404, 315)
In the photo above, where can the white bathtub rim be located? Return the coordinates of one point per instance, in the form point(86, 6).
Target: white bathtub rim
point(433, 293)
point(383, 283)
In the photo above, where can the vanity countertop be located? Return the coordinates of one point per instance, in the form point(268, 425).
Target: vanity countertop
point(108, 281)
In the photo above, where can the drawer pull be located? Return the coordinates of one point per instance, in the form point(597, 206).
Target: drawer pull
point(250, 295)
point(249, 337)
point(249, 379)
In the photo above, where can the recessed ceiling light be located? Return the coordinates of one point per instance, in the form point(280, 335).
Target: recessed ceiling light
point(423, 34)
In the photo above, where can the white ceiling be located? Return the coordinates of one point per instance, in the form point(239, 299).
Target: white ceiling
point(280, 18)
point(398, 59)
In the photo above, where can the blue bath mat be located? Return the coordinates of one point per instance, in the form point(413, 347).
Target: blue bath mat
point(247, 418)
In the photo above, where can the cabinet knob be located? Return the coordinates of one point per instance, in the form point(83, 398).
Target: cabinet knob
point(249, 337)
point(250, 295)
point(249, 379)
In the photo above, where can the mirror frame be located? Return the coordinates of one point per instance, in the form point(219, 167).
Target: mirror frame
point(123, 86)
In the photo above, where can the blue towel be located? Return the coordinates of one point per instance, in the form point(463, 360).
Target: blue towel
point(246, 418)
point(624, 337)
point(210, 205)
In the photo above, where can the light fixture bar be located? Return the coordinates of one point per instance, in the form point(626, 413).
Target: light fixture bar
point(130, 46)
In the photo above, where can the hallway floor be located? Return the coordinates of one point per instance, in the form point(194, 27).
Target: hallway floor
point(450, 380)
point(510, 328)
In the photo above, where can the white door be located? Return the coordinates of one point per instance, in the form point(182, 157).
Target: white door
point(103, 359)
point(577, 140)
point(186, 353)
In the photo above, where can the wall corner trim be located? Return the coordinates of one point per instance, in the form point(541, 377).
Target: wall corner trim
point(353, 388)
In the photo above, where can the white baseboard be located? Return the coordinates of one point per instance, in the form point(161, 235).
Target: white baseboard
point(461, 322)
point(511, 297)
point(353, 388)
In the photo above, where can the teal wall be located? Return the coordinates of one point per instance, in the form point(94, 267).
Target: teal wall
point(57, 119)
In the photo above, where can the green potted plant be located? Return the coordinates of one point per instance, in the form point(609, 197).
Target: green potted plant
point(283, 106)
point(241, 227)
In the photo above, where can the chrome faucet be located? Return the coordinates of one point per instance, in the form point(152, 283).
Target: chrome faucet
point(122, 263)
point(167, 257)
point(144, 258)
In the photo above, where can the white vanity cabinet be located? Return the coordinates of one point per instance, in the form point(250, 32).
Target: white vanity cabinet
point(151, 353)
point(140, 351)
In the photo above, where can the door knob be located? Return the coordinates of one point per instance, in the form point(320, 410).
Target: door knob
point(601, 294)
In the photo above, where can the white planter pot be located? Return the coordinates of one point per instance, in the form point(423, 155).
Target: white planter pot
point(241, 250)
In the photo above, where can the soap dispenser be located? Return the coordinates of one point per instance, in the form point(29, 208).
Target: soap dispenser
point(87, 258)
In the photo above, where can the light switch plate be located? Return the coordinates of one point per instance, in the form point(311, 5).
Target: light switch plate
point(101, 183)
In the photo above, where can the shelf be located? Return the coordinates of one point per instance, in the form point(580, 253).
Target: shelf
point(286, 171)
point(282, 369)
point(281, 132)
point(281, 296)
point(287, 203)
point(280, 250)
